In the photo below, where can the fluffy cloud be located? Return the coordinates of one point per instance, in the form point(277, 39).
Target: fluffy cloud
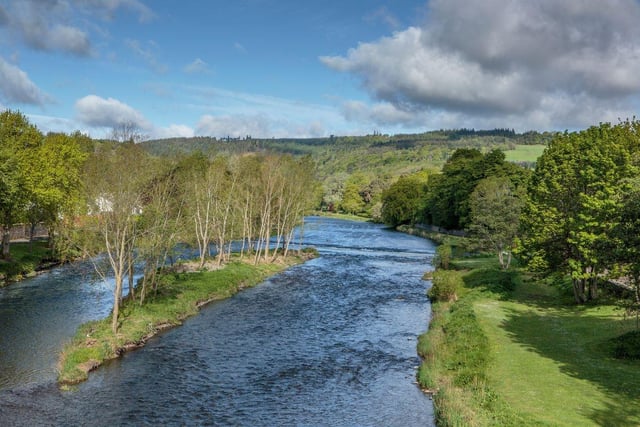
point(544, 63)
point(15, 86)
point(62, 25)
point(95, 111)
point(43, 26)
point(172, 131)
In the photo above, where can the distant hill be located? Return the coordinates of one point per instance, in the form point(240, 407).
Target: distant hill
point(382, 155)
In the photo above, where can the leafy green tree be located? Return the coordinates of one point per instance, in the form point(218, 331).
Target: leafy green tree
point(352, 199)
point(495, 212)
point(574, 203)
point(53, 177)
point(18, 142)
point(403, 202)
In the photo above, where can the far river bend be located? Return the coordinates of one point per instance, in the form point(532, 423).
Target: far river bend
point(328, 343)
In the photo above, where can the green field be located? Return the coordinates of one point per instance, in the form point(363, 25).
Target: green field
point(549, 362)
point(525, 153)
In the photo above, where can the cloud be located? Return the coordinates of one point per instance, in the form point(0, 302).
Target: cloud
point(95, 111)
point(382, 14)
point(497, 60)
point(257, 126)
point(147, 53)
point(108, 8)
point(172, 131)
point(42, 25)
point(235, 126)
point(196, 67)
point(239, 47)
point(62, 25)
point(15, 86)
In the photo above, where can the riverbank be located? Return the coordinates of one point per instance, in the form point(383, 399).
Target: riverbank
point(27, 259)
point(505, 348)
point(179, 295)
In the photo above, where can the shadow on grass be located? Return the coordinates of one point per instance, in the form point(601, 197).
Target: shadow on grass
point(580, 344)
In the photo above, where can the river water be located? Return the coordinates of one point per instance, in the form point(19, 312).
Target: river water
point(330, 342)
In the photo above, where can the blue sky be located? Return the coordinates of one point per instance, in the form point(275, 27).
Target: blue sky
point(282, 68)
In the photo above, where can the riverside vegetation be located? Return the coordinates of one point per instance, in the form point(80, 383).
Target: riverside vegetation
point(179, 295)
point(508, 348)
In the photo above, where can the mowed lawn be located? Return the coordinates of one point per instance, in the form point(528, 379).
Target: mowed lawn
point(552, 363)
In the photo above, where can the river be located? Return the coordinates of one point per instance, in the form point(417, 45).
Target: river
point(330, 342)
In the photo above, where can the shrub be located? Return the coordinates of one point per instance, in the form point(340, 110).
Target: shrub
point(627, 346)
point(445, 285)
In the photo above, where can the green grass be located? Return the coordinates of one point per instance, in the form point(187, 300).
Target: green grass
point(525, 153)
point(179, 296)
point(24, 260)
point(528, 357)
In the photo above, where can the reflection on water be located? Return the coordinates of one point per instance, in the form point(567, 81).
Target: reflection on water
point(330, 342)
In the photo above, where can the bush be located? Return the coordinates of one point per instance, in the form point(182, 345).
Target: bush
point(445, 285)
point(627, 346)
point(443, 256)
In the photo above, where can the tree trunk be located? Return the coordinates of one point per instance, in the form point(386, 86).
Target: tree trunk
point(578, 290)
point(6, 242)
point(593, 288)
point(117, 300)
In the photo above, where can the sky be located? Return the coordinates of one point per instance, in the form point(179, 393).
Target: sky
point(292, 68)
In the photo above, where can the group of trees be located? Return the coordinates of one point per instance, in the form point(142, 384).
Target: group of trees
point(114, 198)
point(577, 213)
point(141, 207)
point(40, 175)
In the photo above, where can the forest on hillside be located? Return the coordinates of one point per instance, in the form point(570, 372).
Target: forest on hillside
point(355, 170)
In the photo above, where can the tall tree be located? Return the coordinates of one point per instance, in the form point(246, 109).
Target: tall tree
point(403, 202)
point(116, 183)
point(19, 141)
point(573, 203)
point(495, 212)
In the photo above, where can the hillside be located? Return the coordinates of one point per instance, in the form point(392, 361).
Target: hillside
point(368, 163)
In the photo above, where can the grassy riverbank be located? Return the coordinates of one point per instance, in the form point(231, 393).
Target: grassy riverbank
point(514, 351)
point(179, 296)
point(26, 259)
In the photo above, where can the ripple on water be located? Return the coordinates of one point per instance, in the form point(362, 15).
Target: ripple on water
point(331, 342)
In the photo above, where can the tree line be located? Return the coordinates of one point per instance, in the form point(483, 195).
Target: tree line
point(114, 198)
point(577, 213)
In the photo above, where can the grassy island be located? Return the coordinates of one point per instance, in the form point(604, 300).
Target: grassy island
point(506, 348)
point(179, 295)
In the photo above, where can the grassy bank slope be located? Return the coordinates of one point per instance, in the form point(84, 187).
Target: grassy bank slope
point(179, 296)
point(25, 260)
point(510, 352)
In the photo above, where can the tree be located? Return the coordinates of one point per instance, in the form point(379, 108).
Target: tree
point(116, 182)
point(53, 178)
point(403, 202)
point(573, 203)
point(18, 142)
point(127, 131)
point(495, 212)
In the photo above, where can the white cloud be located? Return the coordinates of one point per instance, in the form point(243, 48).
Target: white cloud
point(15, 86)
point(234, 126)
point(95, 111)
point(549, 63)
point(172, 131)
point(197, 66)
point(42, 26)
